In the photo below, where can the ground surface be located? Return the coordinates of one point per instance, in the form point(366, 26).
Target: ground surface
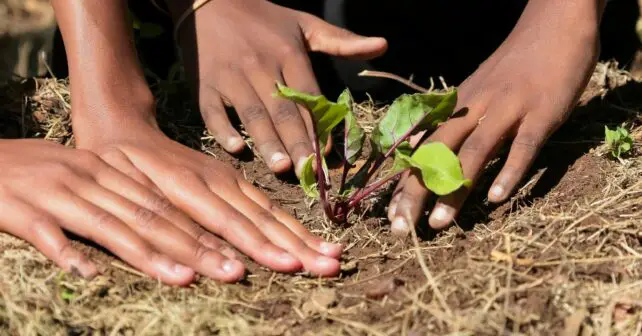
point(563, 256)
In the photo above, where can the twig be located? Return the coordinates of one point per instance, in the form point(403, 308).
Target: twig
point(381, 74)
point(128, 269)
point(357, 325)
point(392, 270)
point(429, 277)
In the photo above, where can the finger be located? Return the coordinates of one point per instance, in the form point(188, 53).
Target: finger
point(474, 154)
point(413, 195)
point(279, 234)
point(161, 234)
point(217, 121)
point(298, 73)
point(87, 220)
point(324, 247)
point(115, 182)
point(188, 191)
point(396, 194)
point(525, 148)
point(257, 121)
point(324, 37)
point(286, 118)
point(120, 161)
point(35, 226)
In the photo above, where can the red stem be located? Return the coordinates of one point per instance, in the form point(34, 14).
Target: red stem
point(372, 187)
point(381, 159)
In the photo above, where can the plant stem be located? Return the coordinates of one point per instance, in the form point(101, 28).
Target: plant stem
point(345, 164)
point(359, 196)
point(381, 74)
point(344, 176)
point(323, 196)
point(380, 160)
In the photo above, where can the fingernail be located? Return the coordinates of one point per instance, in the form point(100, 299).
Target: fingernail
point(300, 164)
point(276, 157)
point(441, 214)
point(229, 266)
point(497, 191)
point(392, 210)
point(180, 269)
point(326, 262)
point(400, 225)
point(329, 248)
point(234, 142)
point(287, 258)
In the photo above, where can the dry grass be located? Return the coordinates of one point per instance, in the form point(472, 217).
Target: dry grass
point(568, 262)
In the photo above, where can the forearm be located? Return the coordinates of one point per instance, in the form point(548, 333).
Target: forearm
point(572, 18)
point(107, 81)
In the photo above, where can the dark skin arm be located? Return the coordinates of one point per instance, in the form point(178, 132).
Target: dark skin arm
point(523, 93)
point(264, 43)
point(113, 116)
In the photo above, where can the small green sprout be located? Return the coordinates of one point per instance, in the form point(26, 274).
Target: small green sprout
point(618, 140)
point(408, 115)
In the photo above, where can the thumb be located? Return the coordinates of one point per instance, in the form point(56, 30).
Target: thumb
point(326, 38)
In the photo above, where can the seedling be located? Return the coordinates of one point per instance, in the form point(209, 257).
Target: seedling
point(618, 140)
point(408, 115)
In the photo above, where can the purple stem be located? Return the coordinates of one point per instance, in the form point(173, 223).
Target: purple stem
point(346, 165)
point(327, 207)
point(380, 160)
point(372, 187)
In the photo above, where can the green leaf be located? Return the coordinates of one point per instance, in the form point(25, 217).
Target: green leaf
point(440, 168)
point(67, 294)
point(308, 180)
point(426, 110)
point(354, 134)
point(402, 151)
point(150, 30)
point(619, 141)
point(326, 114)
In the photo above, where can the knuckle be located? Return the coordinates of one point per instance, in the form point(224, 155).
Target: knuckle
point(529, 142)
point(264, 218)
point(145, 219)
point(285, 112)
point(474, 144)
point(288, 50)
point(254, 113)
point(250, 60)
point(104, 221)
point(201, 252)
point(301, 146)
point(162, 206)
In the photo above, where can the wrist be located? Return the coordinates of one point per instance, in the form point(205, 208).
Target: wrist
point(108, 119)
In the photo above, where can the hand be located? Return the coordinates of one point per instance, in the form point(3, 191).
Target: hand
point(45, 188)
point(215, 195)
point(243, 48)
point(524, 91)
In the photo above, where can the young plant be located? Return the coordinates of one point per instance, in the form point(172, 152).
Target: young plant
point(618, 140)
point(409, 114)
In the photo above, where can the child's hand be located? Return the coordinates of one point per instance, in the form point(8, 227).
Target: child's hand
point(238, 49)
point(524, 91)
point(217, 197)
point(45, 188)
